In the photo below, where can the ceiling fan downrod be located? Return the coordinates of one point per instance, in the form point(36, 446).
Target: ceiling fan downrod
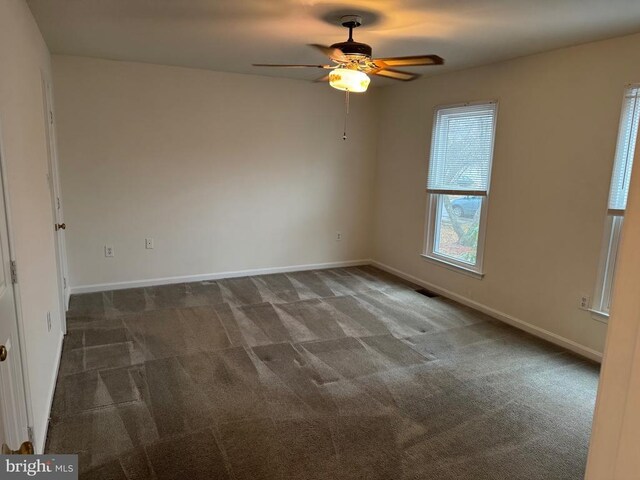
point(351, 22)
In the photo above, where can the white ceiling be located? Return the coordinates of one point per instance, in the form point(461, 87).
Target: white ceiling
point(230, 35)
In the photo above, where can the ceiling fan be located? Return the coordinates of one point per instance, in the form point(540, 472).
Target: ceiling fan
point(353, 62)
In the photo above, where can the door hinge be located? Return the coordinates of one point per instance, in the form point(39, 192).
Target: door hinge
point(64, 282)
point(58, 200)
point(30, 433)
point(51, 117)
point(14, 272)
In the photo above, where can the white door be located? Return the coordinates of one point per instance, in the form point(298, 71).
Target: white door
point(56, 202)
point(13, 413)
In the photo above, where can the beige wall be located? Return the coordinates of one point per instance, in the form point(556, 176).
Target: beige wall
point(23, 55)
point(556, 134)
point(225, 172)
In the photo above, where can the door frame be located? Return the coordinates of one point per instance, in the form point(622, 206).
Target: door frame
point(613, 448)
point(56, 200)
point(24, 427)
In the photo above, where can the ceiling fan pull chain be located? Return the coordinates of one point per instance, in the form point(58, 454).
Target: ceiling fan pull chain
point(346, 113)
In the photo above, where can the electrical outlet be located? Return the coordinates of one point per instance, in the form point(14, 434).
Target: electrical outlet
point(585, 302)
point(148, 243)
point(108, 251)
point(48, 321)
point(338, 236)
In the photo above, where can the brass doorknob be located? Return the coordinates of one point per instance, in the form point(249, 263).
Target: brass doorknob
point(25, 449)
point(61, 226)
point(3, 353)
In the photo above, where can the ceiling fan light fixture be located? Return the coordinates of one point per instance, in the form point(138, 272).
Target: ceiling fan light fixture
point(349, 80)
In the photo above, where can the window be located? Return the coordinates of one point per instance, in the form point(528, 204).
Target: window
point(458, 184)
point(619, 190)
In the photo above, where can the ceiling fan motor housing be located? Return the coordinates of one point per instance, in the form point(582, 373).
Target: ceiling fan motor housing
point(355, 49)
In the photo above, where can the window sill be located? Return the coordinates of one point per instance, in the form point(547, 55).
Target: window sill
point(599, 316)
point(454, 267)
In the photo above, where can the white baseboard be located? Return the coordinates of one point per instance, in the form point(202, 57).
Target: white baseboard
point(516, 322)
point(41, 441)
point(101, 287)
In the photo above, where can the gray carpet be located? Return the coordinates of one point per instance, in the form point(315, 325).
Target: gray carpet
point(332, 374)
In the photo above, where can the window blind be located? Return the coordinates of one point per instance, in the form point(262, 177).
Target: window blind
point(461, 149)
point(625, 149)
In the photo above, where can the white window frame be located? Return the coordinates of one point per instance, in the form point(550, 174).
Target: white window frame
point(610, 243)
point(433, 200)
point(607, 268)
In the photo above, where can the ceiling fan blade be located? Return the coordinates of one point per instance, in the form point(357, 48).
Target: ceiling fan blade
point(333, 53)
point(322, 79)
point(396, 74)
point(290, 66)
point(412, 61)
